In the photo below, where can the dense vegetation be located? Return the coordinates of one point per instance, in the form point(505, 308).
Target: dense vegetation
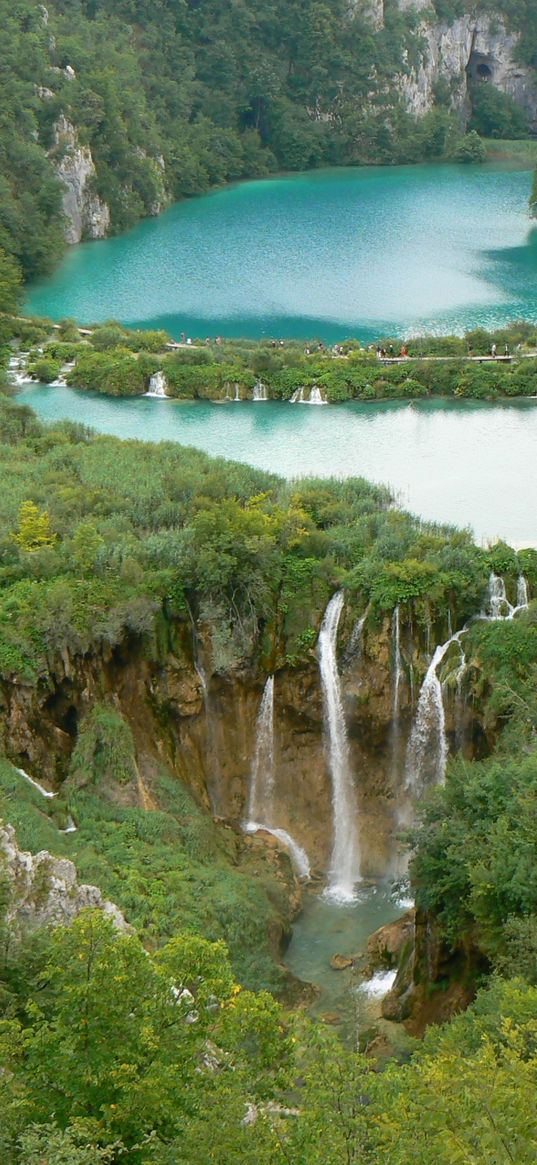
point(173, 98)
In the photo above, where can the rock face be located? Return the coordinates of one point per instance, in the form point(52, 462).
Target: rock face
point(202, 725)
point(86, 215)
point(43, 891)
point(474, 47)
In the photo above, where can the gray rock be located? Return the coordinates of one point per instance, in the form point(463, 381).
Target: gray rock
point(44, 891)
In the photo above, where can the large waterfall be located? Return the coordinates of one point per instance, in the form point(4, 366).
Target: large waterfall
point(261, 793)
point(345, 860)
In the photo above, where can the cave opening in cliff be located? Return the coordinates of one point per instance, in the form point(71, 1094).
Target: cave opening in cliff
point(480, 67)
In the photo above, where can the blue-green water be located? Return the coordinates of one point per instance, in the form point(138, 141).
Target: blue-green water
point(362, 251)
point(461, 462)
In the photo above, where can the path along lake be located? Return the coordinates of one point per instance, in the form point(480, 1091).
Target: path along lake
point(380, 250)
point(462, 462)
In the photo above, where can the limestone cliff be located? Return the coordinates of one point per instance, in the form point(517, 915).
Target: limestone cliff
point(44, 891)
point(473, 47)
point(86, 216)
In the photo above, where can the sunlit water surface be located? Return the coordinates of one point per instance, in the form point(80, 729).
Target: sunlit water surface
point(362, 251)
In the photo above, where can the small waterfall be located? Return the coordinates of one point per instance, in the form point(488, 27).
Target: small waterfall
point(316, 397)
point(260, 391)
point(522, 597)
point(297, 397)
point(499, 605)
point(262, 778)
point(237, 394)
point(345, 860)
point(427, 750)
point(354, 646)
point(397, 675)
point(459, 701)
point(397, 664)
point(261, 795)
point(70, 827)
point(44, 792)
point(157, 386)
point(298, 855)
point(18, 369)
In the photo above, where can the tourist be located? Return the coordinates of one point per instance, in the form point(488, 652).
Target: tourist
point(493, 351)
point(506, 351)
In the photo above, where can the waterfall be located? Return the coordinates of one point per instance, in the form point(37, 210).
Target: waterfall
point(44, 792)
point(427, 747)
point(261, 795)
point(157, 386)
point(397, 668)
point(260, 391)
point(297, 854)
point(397, 674)
point(345, 860)
point(237, 394)
point(522, 597)
point(297, 397)
point(499, 604)
point(354, 646)
point(262, 778)
point(70, 827)
point(316, 397)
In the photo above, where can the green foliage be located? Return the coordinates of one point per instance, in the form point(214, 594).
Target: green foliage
point(10, 284)
point(495, 114)
point(470, 148)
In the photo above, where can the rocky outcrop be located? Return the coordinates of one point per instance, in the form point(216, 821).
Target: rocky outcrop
point(43, 890)
point(86, 216)
point(473, 47)
point(434, 979)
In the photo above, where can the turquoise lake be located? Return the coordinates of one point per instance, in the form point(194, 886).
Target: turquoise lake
point(353, 251)
point(461, 462)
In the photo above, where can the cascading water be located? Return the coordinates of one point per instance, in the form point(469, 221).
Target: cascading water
point(157, 386)
point(261, 794)
point(297, 397)
point(427, 750)
point(316, 397)
point(354, 646)
point(499, 604)
point(260, 391)
point(237, 396)
point(40, 789)
point(397, 666)
point(522, 597)
point(397, 675)
point(262, 779)
point(345, 859)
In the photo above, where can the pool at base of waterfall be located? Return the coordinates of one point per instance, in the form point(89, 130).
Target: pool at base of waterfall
point(324, 929)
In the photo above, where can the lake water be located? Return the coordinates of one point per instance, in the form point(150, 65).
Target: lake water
point(362, 251)
point(460, 462)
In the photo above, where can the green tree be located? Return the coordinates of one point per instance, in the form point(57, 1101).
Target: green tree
point(10, 284)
